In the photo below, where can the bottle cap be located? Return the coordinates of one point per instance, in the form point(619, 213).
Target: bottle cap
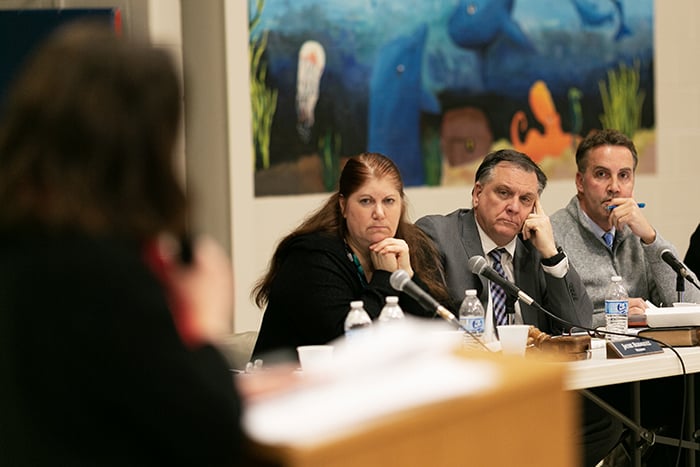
point(393, 299)
point(357, 304)
point(470, 292)
point(616, 278)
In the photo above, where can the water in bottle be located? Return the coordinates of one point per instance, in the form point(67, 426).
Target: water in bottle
point(358, 321)
point(616, 308)
point(471, 316)
point(391, 311)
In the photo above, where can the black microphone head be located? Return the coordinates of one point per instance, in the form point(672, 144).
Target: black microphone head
point(477, 264)
point(667, 255)
point(398, 279)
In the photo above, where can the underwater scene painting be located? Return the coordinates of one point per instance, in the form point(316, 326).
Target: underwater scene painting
point(436, 85)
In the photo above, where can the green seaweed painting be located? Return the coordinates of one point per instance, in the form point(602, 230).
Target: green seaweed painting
point(622, 100)
point(329, 148)
point(263, 100)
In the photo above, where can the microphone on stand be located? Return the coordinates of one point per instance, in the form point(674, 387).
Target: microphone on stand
point(401, 281)
point(681, 269)
point(479, 265)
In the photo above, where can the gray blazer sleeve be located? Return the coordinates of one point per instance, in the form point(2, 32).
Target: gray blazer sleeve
point(565, 297)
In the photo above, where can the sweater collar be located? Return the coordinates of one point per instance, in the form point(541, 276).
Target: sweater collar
point(574, 208)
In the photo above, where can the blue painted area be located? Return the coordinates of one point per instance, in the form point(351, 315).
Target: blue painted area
point(602, 12)
point(544, 31)
point(488, 58)
point(594, 12)
point(476, 24)
point(395, 101)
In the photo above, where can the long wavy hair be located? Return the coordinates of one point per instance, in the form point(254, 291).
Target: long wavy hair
point(329, 219)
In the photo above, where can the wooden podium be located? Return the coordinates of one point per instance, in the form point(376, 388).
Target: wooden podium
point(528, 419)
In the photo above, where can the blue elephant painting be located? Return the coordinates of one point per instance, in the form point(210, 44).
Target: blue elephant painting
point(436, 85)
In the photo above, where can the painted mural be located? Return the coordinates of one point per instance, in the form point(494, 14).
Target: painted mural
point(436, 85)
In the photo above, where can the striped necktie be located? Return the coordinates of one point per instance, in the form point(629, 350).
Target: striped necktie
point(498, 295)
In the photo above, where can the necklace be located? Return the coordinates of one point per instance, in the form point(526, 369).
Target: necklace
point(358, 266)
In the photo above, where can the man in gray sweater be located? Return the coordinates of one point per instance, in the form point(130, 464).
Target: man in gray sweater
point(604, 234)
point(604, 206)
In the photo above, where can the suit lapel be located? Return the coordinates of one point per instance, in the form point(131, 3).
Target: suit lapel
point(471, 242)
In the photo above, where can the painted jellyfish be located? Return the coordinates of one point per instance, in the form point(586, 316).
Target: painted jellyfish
point(312, 60)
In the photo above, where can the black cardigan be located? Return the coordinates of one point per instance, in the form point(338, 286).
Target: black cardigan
point(311, 294)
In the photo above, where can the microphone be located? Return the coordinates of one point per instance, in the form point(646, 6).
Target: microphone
point(401, 281)
point(682, 271)
point(680, 268)
point(479, 265)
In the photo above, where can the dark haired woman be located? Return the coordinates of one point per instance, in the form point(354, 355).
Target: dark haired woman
point(345, 251)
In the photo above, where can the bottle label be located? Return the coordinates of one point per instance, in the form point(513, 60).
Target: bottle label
point(616, 307)
point(357, 331)
point(474, 324)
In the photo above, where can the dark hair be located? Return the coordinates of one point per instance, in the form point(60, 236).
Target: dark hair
point(88, 136)
point(358, 170)
point(485, 171)
point(607, 137)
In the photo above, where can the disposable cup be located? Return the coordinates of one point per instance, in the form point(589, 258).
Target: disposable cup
point(315, 358)
point(513, 338)
point(598, 351)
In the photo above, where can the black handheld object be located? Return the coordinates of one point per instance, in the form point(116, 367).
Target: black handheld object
point(479, 265)
point(186, 252)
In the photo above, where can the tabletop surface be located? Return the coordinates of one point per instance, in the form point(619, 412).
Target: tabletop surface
point(601, 372)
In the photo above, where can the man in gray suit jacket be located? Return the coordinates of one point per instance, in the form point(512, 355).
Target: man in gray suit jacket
point(507, 214)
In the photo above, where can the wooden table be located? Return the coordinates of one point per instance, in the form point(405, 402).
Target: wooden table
point(527, 419)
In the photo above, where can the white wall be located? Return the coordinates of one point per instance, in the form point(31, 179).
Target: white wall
point(671, 195)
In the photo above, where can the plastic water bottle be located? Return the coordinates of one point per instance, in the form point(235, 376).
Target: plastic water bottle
point(391, 311)
point(471, 316)
point(358, 321)
point(616, 308)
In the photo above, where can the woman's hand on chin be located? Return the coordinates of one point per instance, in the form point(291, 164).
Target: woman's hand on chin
point(391, 254)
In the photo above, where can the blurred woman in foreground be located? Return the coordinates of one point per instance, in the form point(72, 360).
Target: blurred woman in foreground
point(106, 338)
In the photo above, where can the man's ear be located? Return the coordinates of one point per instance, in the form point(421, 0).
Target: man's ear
point(476, 192)
point(579, 182)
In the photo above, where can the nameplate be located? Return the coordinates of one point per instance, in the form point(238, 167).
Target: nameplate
point(632, 348)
